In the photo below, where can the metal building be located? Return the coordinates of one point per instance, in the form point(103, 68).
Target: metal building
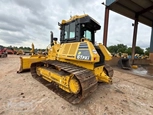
point(138, 10)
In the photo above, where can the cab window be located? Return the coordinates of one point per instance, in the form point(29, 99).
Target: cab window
point(87, 34)
point(72, 30)
point(69, 31)
point(66, 32)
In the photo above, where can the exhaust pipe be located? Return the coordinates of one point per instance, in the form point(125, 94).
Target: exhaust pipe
point(51, 38)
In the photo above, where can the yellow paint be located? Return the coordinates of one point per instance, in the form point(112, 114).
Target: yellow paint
point(101, 75)
point(33, 48)
point(52, 53)
point(74, 86)
point(67, 82)
point(65, 54)
point(28, 60)
point(73, 18)
point(134, 66)
point(106, 53)
point(79, 52)
point(20, 52)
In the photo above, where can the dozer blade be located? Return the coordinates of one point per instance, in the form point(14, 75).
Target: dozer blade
point(25, 62)
point(124, 63)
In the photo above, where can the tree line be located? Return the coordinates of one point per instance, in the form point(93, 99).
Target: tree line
point(124, 49)
point(24, 48)
point(113, 49)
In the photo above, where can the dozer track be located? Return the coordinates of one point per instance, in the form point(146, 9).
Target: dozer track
point(85, 77)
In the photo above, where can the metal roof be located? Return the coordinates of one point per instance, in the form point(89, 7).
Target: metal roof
point(143, 9)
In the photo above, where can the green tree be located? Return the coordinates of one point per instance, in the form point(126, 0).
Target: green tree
point(138, 50)
point(113, 49)
point(117, 48)
point(147, 51)
point(129, 51)
point(121, 48)
point(21, 47)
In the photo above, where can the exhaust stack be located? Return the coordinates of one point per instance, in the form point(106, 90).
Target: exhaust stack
point(51, 38)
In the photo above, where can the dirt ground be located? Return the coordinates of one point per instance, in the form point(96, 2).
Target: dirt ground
point(20, 94)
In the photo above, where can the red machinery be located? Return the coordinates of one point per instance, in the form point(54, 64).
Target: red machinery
point(11, 50)
point(3, 52)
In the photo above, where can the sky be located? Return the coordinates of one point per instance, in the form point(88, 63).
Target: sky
point(23, 22)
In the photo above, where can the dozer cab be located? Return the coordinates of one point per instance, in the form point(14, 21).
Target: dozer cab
point(73, 68)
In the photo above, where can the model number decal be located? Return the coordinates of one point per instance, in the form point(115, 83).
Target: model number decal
point(82, 57)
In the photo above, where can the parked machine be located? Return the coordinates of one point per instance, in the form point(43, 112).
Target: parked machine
point(73, 68)
point(10, 50)
point(3, 52)
point(20, 52)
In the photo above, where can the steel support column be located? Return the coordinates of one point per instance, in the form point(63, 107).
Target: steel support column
point(106, 26)
point(134, 37)
point(151, 42)
point(151, 47)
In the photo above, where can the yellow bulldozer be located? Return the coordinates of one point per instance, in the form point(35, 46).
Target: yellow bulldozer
point(73, 67)
point(20, 52)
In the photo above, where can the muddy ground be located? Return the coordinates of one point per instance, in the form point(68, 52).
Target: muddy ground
point(20, 94)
